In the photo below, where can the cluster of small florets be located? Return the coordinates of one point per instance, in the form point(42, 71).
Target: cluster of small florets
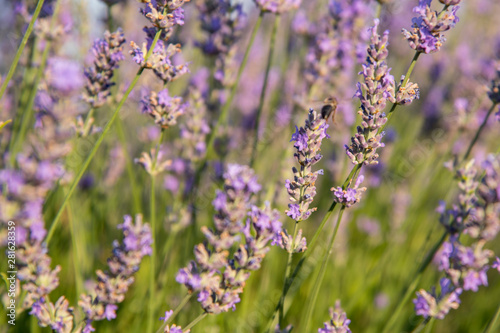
point(338, 322)
point(476, 214)
point(427, 33)
point(277, 6)
point(160, 60)
point(112, 285)
point(219, 273)
point(437, 305)
point(58, 316)
point(107, 55)
point(164, 14)
point(350, 195)
point(162, 108)
point(307, 143)
point(374, 92)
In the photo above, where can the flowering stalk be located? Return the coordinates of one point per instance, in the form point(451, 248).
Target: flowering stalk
point(479, 130)
point(274, 32)
point(360, 152)
point(98, 143)
point(20, 49)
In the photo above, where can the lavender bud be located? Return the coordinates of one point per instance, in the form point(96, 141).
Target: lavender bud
point(162, 108)
point(302, 188)
point(349, 196)
point(108, 54)
point(426, 35)
point(338, 322)
point(376, 90)
point(59, 316)
point(437, 306)
point(153, 162)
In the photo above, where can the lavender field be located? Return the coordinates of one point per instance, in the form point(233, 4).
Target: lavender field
point(277, 166)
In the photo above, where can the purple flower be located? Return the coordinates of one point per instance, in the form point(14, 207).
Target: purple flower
point(65, 75)
point(107, 53)
point(168, 314)
point(307, 144)
point(338, 322)
point(496, 264)
point(378, 85)
point(426, 35)
point(165, 110)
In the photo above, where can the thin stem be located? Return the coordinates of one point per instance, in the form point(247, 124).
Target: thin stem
point(321, 276)
point(225, 110)
point(98, 143)
point(492, 323)
point(287, 275)
point(20, 49)
point(194, 322)
point(264, 88)
point(109, 19)
point(378, 11)
point(76, 252)
point(178, 309)
point(152, 218)
point(153, 257)
point(408, 291)
point(478, 133)
point(421, 326)
point(136, 196)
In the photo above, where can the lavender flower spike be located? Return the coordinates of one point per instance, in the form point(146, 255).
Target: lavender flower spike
point(338, 322)
point(162, 108)
point(108, 54)
point(235, 247)
point(307, 145)
point(112, 285)
point(437, 306)
point(426, 35)
point(374, 92)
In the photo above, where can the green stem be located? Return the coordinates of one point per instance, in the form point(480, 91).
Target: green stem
point(478, 133)
point(408, 291)
point(109, 19)
point(492, 324)
point(76, 252)
point(136, 196)
point(287, 276)
point(20, 49)
point(321, 276)
point(153, 257)
point(225, 110)
point(98, 143)
point(421, 326)
point(378, 11)
point(178, 309)
point(152, 218)
point(194, 322)
point(264, 88)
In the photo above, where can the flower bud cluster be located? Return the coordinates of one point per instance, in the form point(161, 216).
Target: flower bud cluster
point(307, 145)
point(164, 14)
point(437, 305)
point(236, 245)
point(476, 214)
point(112, 285)
point(338, 322)
point(162, 108)
point(107, 56)
point(350, 195)
point(374, 92)
point(427, 33)
point(58, 316)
